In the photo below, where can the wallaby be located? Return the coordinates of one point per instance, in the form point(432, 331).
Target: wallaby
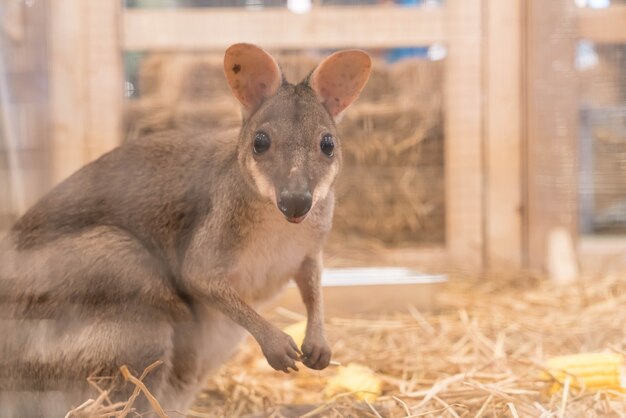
point(162, 248)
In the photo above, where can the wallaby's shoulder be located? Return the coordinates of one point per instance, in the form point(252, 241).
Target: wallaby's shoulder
point(174, 149)
point(155, 179)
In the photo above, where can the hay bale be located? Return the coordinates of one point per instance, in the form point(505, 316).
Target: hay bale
point(150, 77)
point(389, 134)
point(296, 66)
point(181, 91)
point(392, 186)
point(393, 205)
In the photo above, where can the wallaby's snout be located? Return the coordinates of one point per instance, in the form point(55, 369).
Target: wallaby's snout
point(294, 198)
point(295, 204)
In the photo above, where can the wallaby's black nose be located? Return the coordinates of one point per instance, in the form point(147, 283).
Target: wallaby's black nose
point(294, 205)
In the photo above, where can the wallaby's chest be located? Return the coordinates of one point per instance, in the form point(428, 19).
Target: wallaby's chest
point(271, 255)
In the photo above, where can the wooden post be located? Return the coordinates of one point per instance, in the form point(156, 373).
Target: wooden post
point(551, 110)
point(86, 81)
point(24, 133)
point(464, 134)
point(503, 133)
point(105, 77)
point(68, 90)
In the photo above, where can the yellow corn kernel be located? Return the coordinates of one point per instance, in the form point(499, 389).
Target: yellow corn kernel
point(355, 378)
point(592, 371)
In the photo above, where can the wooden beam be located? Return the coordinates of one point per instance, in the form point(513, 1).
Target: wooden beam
point(603, 25)
point(86, 81)
point(464, 134)
point(596, 252)
point(25, 162)
point(68, 85)
point(105, 77)
point(324, 27)
point(503, 156)
point(551, 134)
point(426, 259)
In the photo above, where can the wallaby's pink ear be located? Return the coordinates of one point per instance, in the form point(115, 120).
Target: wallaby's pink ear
point(339, 79)
point(252, 73)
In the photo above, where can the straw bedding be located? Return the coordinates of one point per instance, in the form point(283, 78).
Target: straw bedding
point(481, 354)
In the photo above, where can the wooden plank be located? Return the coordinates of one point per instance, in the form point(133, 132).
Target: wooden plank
point(503, 110)
point(463, 134)
point(325, 27)
point(86, 81)
point(551, 120)
point(104, 78)
point(603, 25)
point(425, 259)
point(596, 252)
point(68, 85)
point(35, 112)
point(24, 111)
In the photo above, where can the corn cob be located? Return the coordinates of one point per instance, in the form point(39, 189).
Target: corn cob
point(355, 378)
point(590, 371)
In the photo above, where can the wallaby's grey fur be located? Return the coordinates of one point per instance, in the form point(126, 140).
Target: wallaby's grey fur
point(161, 249)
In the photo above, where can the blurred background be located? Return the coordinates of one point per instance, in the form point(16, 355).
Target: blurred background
point(492, 133)
point(489, 143)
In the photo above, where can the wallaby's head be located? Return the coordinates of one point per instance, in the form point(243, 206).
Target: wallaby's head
point(288, 149)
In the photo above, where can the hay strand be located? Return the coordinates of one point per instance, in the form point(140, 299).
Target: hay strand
point(140, 387)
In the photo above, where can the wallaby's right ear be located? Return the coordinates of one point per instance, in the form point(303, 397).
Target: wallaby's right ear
point(252, 73)
point(339, 79)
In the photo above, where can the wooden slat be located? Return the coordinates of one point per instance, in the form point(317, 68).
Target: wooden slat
point(86, 81)
point(105, 78)
point(551, 142)
point(463, 134)
point(596, 252)
point(603, 25)
point(24, 113)
point(426, 259)
point(68, 85)
point(325, 27)
point(503, 110)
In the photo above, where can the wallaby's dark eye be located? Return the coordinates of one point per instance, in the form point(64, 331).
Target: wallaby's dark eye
point(261, 142)
point(328, 145)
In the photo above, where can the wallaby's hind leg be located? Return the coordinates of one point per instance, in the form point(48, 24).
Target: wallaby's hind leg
point(79, 306)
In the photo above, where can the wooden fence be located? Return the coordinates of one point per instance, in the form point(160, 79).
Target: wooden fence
point(510, 96)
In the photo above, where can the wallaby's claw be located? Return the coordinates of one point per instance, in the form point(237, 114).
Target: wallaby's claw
point(281, 352)
point(316, 353)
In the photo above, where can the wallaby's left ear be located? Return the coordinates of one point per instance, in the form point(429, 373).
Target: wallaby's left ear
point(339, 79)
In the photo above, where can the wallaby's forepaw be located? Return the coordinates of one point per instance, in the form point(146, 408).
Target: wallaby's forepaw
point(315, 353)
point(281, 352)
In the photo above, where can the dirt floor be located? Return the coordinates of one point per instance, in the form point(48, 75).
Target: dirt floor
point(482, 353)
